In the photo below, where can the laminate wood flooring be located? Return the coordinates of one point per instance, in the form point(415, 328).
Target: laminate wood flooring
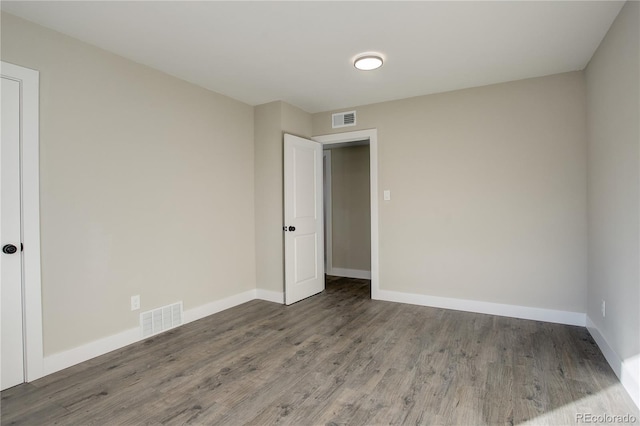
point(335, 358)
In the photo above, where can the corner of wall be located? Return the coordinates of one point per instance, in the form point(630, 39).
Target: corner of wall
point(627, 370)
point(295, 120)
point(611, 79)
point(271, 120)
point(267, 205)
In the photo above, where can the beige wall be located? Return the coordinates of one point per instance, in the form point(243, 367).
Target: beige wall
point(149, 186)
point(613, 91)
point(268, 197)
point(146, 187)
point(272, 120)
point(351, 208)
point(488, 192)
point(295, 122)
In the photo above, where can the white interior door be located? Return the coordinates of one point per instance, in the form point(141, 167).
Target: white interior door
point(303, 219)
point(11, 341)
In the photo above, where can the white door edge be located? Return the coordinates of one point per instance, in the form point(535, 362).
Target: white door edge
point(30, 179)
point(372, 136)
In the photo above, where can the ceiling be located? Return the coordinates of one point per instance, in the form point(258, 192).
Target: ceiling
point(302, 52)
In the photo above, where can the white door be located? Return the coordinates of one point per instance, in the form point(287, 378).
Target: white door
point(303, 227)
point(11, 343)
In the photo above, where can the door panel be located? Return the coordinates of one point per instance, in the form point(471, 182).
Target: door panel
point(305, 253)
point(304, 243)
point(304, 183)
point(12, 347)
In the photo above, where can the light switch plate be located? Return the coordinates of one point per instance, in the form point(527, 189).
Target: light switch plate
point(387, 195)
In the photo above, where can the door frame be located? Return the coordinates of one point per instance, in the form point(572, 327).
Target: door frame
point(372, 136)
point(328, 224)
point(30, 216)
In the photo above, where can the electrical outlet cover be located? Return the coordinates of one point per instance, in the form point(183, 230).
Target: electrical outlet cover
point(135, 302)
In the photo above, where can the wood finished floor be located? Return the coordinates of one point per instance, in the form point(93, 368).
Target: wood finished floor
point(335, 358)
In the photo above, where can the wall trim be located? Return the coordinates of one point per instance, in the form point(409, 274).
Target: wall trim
point(514, 311)
point(627, 371)
point(61, 360)
point(270, 296)
point(350, 273)
point(216, 306)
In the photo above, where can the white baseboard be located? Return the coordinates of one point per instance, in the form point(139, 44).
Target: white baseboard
point(624, 370)
point(514, 311)
point(270, 296)
point(61, 360)
point(628, 370)
point(350, 273)
point(198, 312)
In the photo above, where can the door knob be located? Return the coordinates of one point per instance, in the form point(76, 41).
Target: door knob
point(9, 249)
point(292, 228)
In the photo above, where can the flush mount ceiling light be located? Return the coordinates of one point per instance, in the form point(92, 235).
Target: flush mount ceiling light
point(368, 62)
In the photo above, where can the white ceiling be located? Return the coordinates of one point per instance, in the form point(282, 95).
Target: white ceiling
point(302, 52)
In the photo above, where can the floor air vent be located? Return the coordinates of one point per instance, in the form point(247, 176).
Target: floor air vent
point(343, 119)
point(161, 319)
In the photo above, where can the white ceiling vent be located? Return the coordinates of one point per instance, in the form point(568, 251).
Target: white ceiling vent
point(343, 119)
point(161, 319)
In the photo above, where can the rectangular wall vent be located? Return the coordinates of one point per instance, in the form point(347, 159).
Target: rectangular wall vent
point(343, 119)
point(161, 319)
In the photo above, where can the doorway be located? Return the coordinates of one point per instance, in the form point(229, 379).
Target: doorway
point(347, 210)
point(21, 338)
point(363, 137)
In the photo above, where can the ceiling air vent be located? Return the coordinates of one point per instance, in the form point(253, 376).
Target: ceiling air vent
point(343, 119)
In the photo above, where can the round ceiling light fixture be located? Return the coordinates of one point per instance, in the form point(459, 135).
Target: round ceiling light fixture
point(368, 62)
